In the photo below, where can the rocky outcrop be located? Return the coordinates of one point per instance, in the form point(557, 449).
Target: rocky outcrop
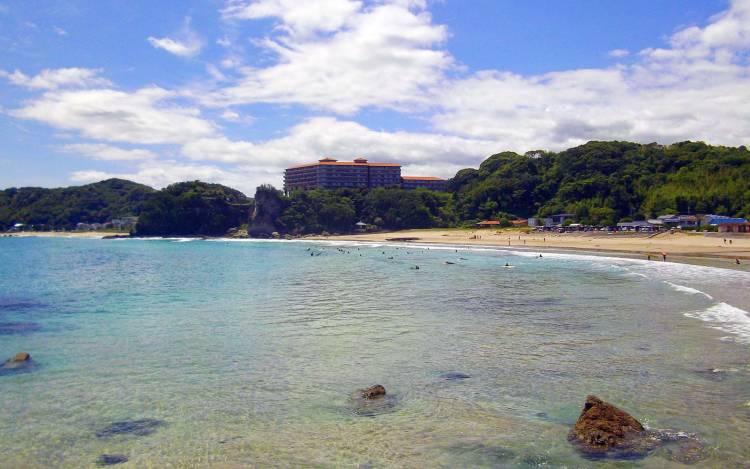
point(111, 459)
point(20, 360)
point(373, 392)
point(603, 427)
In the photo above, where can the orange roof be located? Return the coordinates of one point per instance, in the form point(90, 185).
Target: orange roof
point(422, 178)
point(489, 222)
point(341, 163)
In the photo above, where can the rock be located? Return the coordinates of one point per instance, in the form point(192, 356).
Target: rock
point(603, 427)
point(372, 392)
point(454, 375)
point(111, 459)
point(21, 360)
point(141, 427)
point(21, 357)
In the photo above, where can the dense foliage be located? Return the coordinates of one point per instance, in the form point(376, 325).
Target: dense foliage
point(603, 182)
point(193, 208)
point(63, 208)
point(337, 211)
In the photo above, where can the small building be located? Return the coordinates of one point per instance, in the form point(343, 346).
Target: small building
point(18, 227)
point(679, 221)
point(488, 224)
point(639, 225)
point(428, 182)
point(360, 226)
point(539, 222)
point(561, 218)
point(519, 223)
point(743, 227)
point(715, 220)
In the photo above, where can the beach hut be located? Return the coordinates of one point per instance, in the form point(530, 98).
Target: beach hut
point(360, 226)
point(488, 224)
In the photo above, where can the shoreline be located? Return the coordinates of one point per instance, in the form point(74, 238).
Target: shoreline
point(679, 247)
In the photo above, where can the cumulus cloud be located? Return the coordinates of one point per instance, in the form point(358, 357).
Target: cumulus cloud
point(162, 173)
point(50, 79)
point(441, 154)
point(100, 151)
point(692, 90)
point(145, 116)
point(618, 53)
point(188, 43)
point(382, 56)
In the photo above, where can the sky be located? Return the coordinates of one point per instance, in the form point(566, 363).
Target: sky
point(234, 91)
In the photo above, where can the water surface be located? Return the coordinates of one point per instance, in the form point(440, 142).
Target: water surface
point(241, 354)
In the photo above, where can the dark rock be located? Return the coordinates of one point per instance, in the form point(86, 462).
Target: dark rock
point(372, 392)
point(117, 236)
point(714, 374)
point(687, 451)
point(111, 459)
point(454, 375)
point(603, 427)
point(141, 427)
point(21, 359)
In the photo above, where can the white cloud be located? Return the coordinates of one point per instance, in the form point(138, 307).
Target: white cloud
point(380, 56)
point(188, 44)
point(297, 17)
point(50, 79)
point(618, 53)
point(101, 151)
point(344, 140)
point(59, 31)
point(145, 116)
point(162, 173)
point(695, 89)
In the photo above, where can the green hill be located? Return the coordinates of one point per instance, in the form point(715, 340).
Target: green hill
point(65, 207)
point(603, 182)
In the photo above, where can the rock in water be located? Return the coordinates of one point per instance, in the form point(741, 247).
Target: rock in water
point(141, 427)
point(111, 459)
point(603, 427)
point(372, 392)
point(19, 361)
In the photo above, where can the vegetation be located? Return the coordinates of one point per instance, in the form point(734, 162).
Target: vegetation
point(63, 208)
point(193, 208)
point(604, 182)
point(337, 211)
point(601, 182)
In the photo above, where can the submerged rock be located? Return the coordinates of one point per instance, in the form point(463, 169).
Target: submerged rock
point(372, 392)
point(111, 459)
point(140, 427)
point(603, 427)
point(454, 375)
point(13, 328)
point(20, 360)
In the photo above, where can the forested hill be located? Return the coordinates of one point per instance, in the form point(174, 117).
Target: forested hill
point(603, 182)
point(66, 206)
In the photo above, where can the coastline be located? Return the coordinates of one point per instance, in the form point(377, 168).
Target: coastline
point(64, 234)
point(679, 247)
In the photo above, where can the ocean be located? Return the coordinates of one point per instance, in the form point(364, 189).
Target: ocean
point(219, 353)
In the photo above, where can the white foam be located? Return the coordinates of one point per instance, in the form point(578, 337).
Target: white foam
point(727, 318)
point(692, 291)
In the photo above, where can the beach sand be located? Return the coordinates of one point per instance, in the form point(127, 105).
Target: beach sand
point(710, 245)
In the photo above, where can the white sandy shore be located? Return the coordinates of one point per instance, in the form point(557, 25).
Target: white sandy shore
point(672, 244)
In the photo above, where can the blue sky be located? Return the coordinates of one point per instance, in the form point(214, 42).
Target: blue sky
point(234, 91)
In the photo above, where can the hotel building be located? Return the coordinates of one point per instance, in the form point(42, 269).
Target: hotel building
point(329, 173)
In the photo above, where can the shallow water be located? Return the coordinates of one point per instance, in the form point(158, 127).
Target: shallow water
point(246, 354)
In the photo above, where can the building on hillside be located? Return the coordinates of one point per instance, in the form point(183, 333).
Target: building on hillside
point(488, 224)
point(428, 182)
point(743, 227)
point(329, 173)
point(519, 223)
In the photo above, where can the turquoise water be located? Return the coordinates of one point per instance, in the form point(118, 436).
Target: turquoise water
point(245, 354)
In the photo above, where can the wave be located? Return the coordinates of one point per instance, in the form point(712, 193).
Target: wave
point(727, 318)
point(692, 291)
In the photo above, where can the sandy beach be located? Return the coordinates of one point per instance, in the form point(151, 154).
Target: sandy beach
point(711, 245)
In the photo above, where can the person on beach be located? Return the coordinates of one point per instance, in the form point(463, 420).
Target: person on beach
point(664, 256)
point(737, 261)
point(649, 257)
